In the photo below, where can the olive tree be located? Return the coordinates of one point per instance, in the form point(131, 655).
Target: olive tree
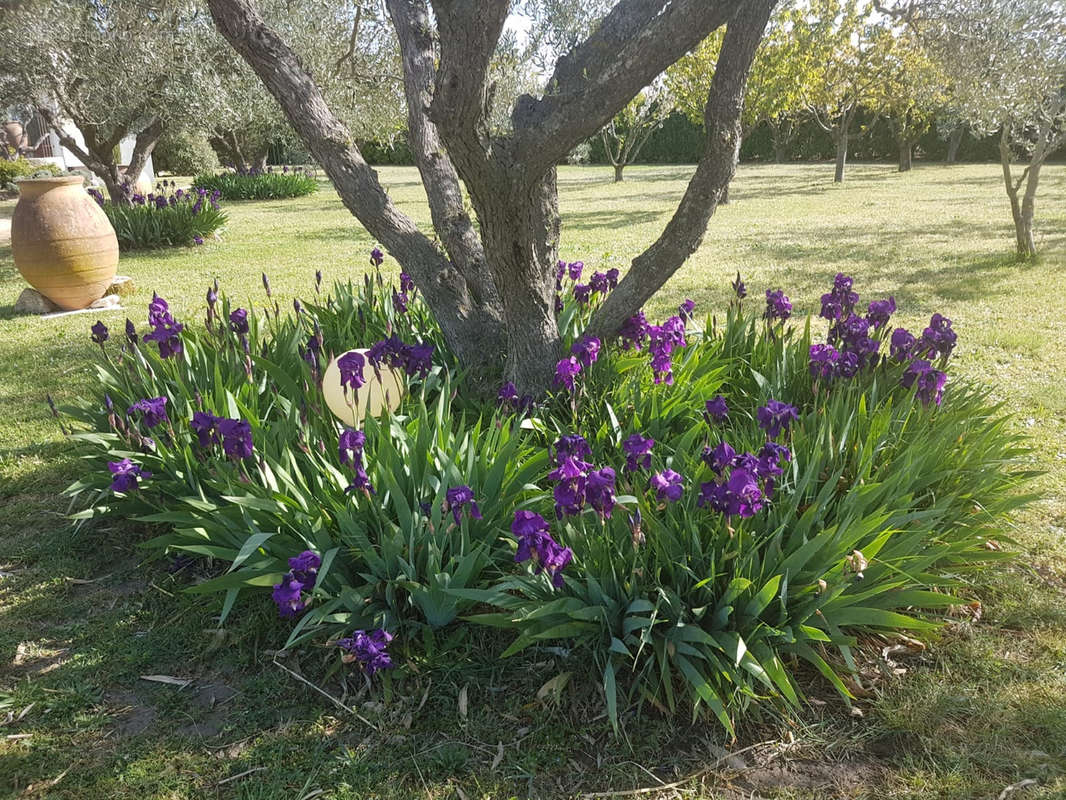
point(491, 286)
point(627, 133)
point(1006, 60)
point(113, 70)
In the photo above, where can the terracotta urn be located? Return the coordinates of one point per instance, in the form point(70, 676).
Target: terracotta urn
point(62, 241)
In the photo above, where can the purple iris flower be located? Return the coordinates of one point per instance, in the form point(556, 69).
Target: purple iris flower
point(879, 311)
point(305, 566)
point(667, 485)
point(535, 543)
point(350, 447)
point(236, 438)
point(600, 283)
point(351, 366)
point(238, 321)
point(739, 289)
point(930, 382)
point(406, 284)
point(902, 344)
point(508, 395)
point(717, 409)
point(131, 331)
point(599, 491)
point(565, 372)
point(612, 278)
point(634, 331)
point(456, 498)
point(824, 361)
point(574, 269)
point(126, 475)
point(586, 350)
point(571, 446)
point(685, 309)
point(778, 306)
point(399, 302)
point(205, 426)
point(583, 293)
point(775, 417)
point(638, 452)
point(938, 338)
point(152, 409)
point(288, 595)
point(719, 458)
point(369, 649)
point(377, 258)
point(99, 332)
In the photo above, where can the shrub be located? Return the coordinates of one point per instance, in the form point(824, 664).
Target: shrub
point(696, 509)
point(255, 185)
point(170, 217)
point(184, 153)
point(13, 171)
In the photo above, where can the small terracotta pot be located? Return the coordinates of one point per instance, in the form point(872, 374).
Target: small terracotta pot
point(62, 241)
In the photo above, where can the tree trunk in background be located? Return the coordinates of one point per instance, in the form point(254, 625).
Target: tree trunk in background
point(780, 151)
point(954, 140)
point(840, 138)
point(618, 168)
point(724, 199)
point(1021, 208)
point(142, 149)
point(906, 149)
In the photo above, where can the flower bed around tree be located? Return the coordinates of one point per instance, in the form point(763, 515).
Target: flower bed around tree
point(695, 511)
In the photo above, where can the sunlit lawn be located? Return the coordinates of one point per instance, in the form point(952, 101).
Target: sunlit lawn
point(984, 707)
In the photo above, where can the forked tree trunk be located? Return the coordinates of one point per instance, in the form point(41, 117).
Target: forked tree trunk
point(954, 140)
point(1022, 207)
point(618, 168)
point(493, 289)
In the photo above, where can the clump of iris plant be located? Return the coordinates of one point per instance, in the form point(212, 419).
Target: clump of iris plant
point(638, 452)
point(291, 594)
point(745, 480)
point(778, 306)
point(536, 544)
point(776, 417)
point(668, 485)
point(414, 359)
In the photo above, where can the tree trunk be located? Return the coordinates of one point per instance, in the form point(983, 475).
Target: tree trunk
point(142, 149)
point(723, 199)
point(905, 152)
point(1021, 208)
point(840, 138)
point(954, 140)
point(780, 151)
point(618, 173)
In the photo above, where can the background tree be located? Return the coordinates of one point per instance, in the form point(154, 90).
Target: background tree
point(1007, 64)
point(773, 96)
point(837, 38)
point(625, 135)
point(113, 70)
point(910, 90)
point(492, 287)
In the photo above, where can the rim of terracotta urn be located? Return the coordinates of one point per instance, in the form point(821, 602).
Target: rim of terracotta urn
point(53, 180)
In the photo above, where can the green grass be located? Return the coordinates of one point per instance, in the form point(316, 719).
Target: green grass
point(983, 707)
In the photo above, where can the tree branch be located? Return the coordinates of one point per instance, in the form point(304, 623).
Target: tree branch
point(685, 231)
point(143, 147)
point(634, 43)
point(443, 190)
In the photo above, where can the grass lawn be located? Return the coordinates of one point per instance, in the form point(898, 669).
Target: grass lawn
point(83, 617)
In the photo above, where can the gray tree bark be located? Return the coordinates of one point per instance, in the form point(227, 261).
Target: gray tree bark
point(906, 151)
point(840, 139)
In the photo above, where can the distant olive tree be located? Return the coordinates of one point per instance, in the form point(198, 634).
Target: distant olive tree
point(112, 70)
point(625, 135)
point(1006, 61)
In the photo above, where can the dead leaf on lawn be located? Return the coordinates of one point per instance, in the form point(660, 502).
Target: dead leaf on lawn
point(554, 687)
point(496, 759)
point(463, 702)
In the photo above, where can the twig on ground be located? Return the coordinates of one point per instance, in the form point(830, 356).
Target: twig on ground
point(665, 787)
point(327, 695)
point(240, 775)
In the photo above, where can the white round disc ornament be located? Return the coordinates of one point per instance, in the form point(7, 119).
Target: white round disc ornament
point(350, 405)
